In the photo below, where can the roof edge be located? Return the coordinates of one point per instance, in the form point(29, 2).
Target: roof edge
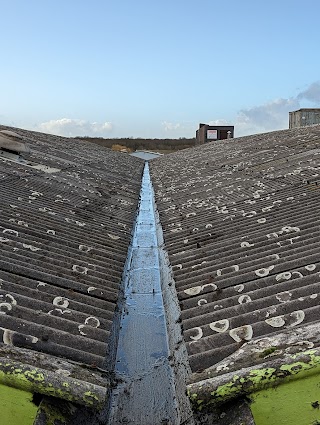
point(216, 391)
point(36, 380)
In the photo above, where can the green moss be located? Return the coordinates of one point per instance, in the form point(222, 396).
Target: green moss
point(267, 352)
point(257, 379)
point(16, 406)
point(295, 402)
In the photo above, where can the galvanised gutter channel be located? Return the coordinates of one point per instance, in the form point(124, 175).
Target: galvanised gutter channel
point(146, 392)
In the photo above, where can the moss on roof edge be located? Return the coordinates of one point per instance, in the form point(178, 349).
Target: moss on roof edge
point(36, 380)
point(212, 392)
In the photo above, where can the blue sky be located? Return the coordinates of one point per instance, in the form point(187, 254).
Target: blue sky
point(125, 68)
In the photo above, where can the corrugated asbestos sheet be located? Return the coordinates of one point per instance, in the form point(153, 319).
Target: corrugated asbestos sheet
point(241, 226)
point(64, 233)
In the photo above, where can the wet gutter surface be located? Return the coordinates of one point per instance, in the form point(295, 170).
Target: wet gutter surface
point(146, 393)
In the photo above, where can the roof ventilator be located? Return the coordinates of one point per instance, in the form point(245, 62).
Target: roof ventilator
point(12, 145)
point(11, 148)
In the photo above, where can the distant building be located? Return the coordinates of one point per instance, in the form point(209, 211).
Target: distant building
point(209, 133)
point(303, 117)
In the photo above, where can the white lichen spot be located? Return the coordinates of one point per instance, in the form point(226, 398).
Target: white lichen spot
point(284, 297)
point(220, 325)
point(297, 316)
point(11, 232)
point(90, 289)
point(198, 265)
point(193, 291)
point(243, 333)
point(185, 241)
point(80, 269)
point(34, 340)
point(264, 271)
point(313, 296)
point(41, 284)
point(246, 244)
point(4, 240)
point(249, 214)
point(31, 247)
point(306, 344)
point(261, 220)
point(85, 248)
point(7, 336)
point(80, 328)
point(283, 276)
point(60, 311)
point(244, 299)
point(212, 285)
point(265, 209)
point(272, 235)
point(198, 335)
point(61, 302)
point(10, 298)
point(222, 367)
point(208, 226)
point(310, 267)
point(234, 268)
point(5, 308)
point(276, 322)
point(22, 223)
point(113, 237)
point(202, 302)
point(80, 223)
point(239, 288)
point(51, 232)
point(287, 229)
point(92, 321)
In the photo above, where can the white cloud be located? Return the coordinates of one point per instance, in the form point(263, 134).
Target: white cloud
point(75, 127)
point(270, 116)
point(219, 121)
point(169, 126)
point(312, 93)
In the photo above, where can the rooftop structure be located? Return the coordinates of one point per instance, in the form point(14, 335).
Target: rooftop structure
point(208, 133)
point(303, 117)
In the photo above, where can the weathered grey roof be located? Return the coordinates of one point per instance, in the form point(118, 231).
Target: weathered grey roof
point(241, 226)
point(64, 236)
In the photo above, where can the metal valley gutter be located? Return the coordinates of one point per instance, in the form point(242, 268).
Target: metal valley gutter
point(147, 392)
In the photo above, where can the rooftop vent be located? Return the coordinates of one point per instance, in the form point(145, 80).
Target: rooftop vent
point(11, 148)
point(12, 142)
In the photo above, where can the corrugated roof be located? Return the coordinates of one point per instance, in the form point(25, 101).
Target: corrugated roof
point(63, 239)
point(241, 226)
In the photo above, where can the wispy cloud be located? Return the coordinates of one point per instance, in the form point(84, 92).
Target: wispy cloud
point(270, 116)
point(169, 126)
point(312, 93)
point(75, 127)
point(219, 121)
